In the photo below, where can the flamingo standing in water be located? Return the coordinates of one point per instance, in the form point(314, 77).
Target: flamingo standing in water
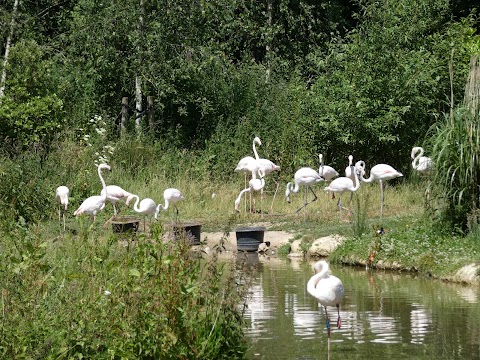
point(96, 203)
point(380, 173)
point(328, 290)
point(305, 177)
point(61, 195)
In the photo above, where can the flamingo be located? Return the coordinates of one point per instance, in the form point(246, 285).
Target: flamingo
point(246, 165)
point(327, 172)
point(343, 184)
point(350, 172)
point(61, 195)
point(423, 164)
point(267, 166)
point(147, 208)
point(328, 290)
point(254, 184)
point(380, 172)
point(170, 195)
point(306, 177)
point(115, 194)
point(96, 203)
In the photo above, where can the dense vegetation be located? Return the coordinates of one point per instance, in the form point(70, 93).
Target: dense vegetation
point(367, 78)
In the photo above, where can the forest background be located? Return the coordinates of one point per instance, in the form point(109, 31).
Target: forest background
point(370, 78)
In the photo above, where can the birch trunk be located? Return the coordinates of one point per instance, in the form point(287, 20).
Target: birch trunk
point(3, 79)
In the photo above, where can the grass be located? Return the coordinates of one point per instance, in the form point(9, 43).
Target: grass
point(162, 300)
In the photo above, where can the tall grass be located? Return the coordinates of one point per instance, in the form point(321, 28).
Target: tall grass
point(90, 297)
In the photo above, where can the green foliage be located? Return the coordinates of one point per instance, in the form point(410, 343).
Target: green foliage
point(359, 216)
point(455, 152)
point(410, 243)
point(95, 299)
point(376, 93)
point(22, 195)
point(30, 111)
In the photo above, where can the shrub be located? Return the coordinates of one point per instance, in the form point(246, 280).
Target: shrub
point(95, 299)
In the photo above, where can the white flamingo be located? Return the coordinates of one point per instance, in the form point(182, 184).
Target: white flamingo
point(328, 290)
point(267, 166)
point(146, 208)
point(327, 172)
point(61, 195)
point(115, 194)
point(343, 184)
point(305, 177)
point(248, 165)
point(423, 164)
point(170, 195)
point(380, 173)
point(254, 184)
point(96, 203)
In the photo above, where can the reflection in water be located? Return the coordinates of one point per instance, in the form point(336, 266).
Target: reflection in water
point(385, 315)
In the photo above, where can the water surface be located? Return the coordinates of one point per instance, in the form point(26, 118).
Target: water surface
point(385, 315)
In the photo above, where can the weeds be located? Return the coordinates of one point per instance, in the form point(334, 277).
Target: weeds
point(90, 297)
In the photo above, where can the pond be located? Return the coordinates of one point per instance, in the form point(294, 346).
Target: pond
point(385, 315)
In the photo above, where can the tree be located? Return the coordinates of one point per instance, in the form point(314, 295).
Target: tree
point(7, 49)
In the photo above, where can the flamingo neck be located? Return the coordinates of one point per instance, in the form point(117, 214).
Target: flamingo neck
point(357, 181)
point(104, 192)
point(255, 149)
point(369, 180)
point(165, 207)
point(416, 159)
point(135, 206)
point(322, 273)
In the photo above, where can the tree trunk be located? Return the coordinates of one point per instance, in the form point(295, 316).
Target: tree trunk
point(123, 121)
point(138, 82)
point(3, 79)
point(151, 114)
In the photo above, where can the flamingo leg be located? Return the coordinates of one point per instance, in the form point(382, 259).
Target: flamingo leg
point(339, 321)
point(382, 197)
point(305, 201)
point(328, 333)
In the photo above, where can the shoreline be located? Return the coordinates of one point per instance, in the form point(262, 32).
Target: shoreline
point(322, 247)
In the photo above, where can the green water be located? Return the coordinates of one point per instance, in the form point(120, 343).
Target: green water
point(385, 315)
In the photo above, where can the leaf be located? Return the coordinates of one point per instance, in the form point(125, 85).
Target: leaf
point(134, 272)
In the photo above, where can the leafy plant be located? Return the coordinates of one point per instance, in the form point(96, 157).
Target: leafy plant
point(456, 141)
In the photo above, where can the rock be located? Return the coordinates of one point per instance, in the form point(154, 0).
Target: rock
point(296, 247)
point(324, 246)
point(467, 274)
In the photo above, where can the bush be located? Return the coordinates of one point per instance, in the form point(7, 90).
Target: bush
point(94, 299)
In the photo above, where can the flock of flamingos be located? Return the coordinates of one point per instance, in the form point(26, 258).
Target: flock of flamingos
point(258, 168)
point(327, 289)
point(306, 177)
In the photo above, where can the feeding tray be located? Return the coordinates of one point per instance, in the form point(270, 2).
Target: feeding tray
point(125, 224)
point(188, 231)
point(248, 238)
